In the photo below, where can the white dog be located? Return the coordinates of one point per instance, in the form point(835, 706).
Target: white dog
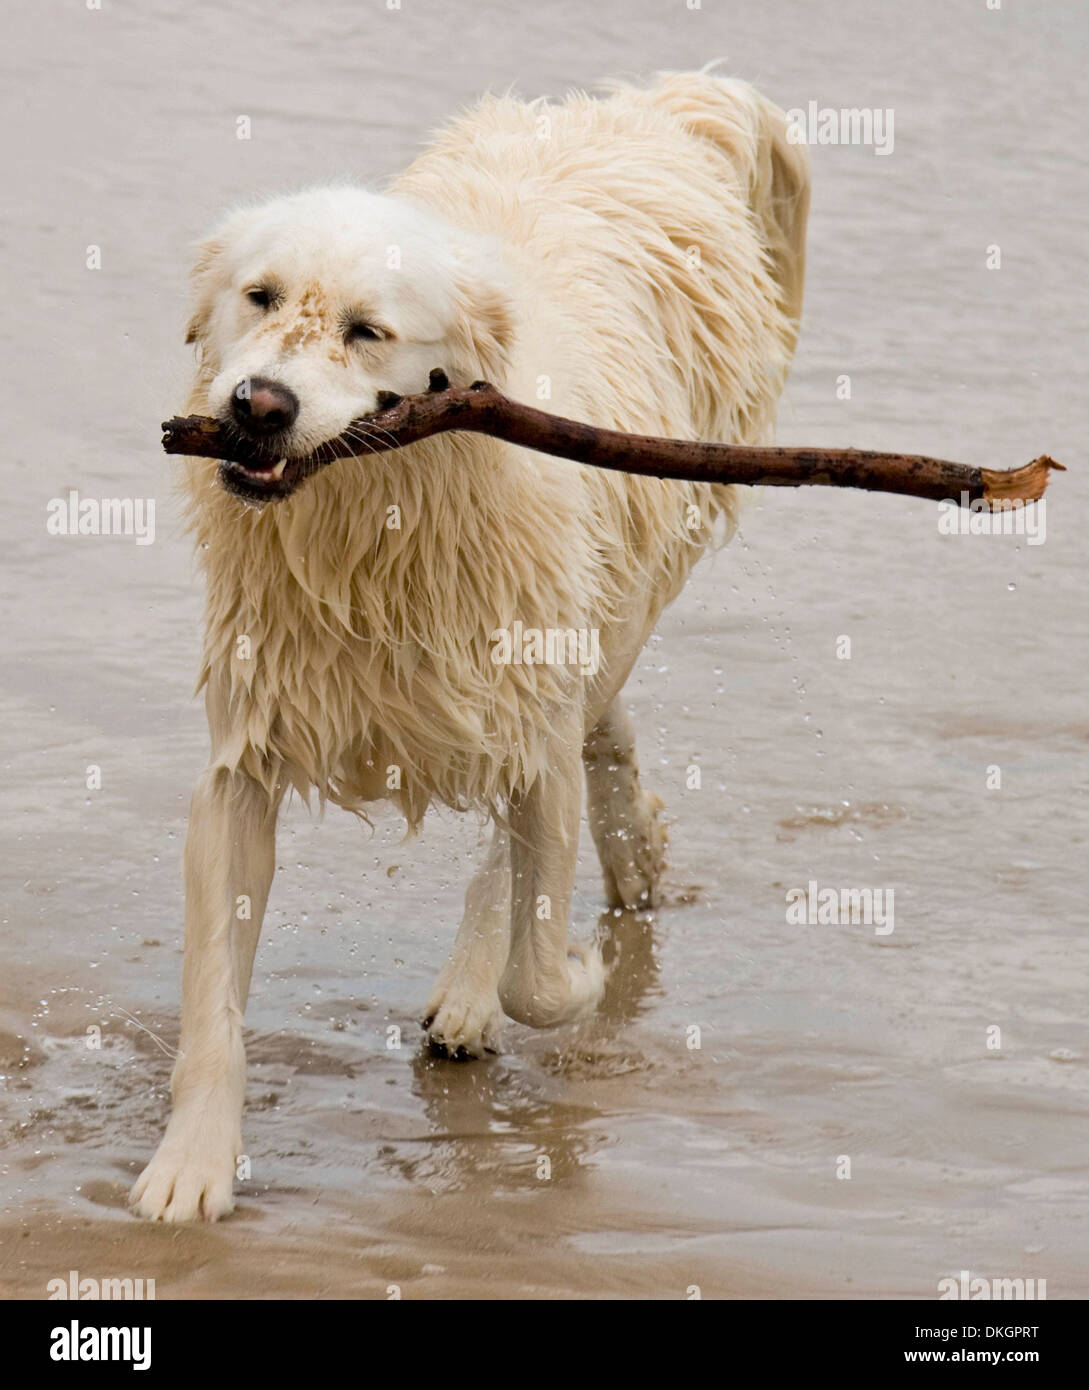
point(634, 261)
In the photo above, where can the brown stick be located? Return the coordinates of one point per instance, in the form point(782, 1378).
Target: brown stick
point(482, 409)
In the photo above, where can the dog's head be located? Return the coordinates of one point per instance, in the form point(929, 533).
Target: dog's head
point(310, 305)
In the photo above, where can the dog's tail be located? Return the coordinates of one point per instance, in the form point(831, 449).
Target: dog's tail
point(770, 175)
point(773, 173)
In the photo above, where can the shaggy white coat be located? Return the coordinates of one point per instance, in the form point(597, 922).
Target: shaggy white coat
point(634, 261)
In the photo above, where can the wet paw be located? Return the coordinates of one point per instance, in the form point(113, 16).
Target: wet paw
point(636, 860)
point(191, 1176)
point(460, 1053)
point(185, 1181)
point(462, 1026)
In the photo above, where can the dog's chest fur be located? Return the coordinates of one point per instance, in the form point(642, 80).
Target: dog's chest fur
point(349, 633)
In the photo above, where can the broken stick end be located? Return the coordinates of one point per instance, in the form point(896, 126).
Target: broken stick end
point(1008, 487)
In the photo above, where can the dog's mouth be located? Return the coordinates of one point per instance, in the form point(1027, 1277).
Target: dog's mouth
point(260, 479)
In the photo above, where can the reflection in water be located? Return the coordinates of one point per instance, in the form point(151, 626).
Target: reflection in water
point(628, 947)
point(493, 1121)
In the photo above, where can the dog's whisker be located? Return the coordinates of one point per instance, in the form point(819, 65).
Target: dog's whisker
point(375, 431)
point(355, 435)
point(361, 446)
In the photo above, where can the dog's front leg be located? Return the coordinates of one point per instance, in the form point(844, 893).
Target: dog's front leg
point(548, 980)
point(463, 1013)
point(229, 863)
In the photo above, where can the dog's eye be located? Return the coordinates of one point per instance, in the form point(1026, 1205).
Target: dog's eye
point(363, 333)
point(259, 296)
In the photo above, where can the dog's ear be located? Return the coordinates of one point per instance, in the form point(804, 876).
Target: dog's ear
point(484, 324)
point(206, 277)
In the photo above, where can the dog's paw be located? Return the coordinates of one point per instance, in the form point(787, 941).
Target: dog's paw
point(462, 1025)
point(187, 1180)
point(634, 859)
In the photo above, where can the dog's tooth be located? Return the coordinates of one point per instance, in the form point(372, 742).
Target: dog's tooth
point(278, 471)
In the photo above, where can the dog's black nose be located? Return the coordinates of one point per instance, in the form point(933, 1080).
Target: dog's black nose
point(261, 406)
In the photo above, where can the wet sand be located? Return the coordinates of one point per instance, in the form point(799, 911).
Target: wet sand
point(668, 1166)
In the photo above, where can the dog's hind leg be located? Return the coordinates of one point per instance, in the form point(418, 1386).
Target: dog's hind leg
point(623, 816)
point(463, 1013)
point(548, 980)
point(229, 863)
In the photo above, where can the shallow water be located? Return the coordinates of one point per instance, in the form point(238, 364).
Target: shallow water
point(669, 1165)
